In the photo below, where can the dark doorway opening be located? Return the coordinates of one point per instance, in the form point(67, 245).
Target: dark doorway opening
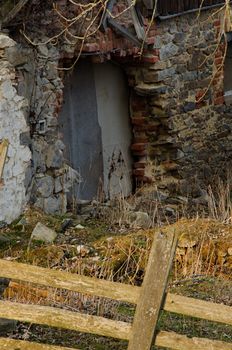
point(95, 127)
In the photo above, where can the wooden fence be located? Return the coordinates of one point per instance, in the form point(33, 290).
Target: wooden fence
point(150, 299)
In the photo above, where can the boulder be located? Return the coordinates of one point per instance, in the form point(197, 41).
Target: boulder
point(139, 219)
point(43, 233)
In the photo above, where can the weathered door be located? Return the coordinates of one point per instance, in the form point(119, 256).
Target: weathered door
point(81, 130)
point(96, 130)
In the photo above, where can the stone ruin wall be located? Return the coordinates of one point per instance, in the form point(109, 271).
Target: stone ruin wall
point(13, 126)
point(178, 143)
point(181, 142)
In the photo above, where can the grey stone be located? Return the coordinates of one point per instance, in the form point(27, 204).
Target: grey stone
point(168, 51)
point(16, 56)
point(51, 70)
point(150, 89)
point(179, 38)
point(25, 138)
point(59, 184)
point(43, 50)
point(5, 41)
point(188, 76)
point(54, 157)
point(139, 219)
point(189, 106)
point(43, 233)
point(28, 176)
point(54, 205)
point(45, 186)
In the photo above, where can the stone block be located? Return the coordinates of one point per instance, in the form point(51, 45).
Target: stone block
point(54, 157)
point(43, 233)
point(168, 51)
point(45, 186)
point(5, 41)
point(150, 89)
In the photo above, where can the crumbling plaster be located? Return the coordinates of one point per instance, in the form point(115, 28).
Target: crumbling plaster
point(13, 110)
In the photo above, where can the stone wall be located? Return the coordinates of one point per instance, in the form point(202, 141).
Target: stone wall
point(13, 127)
point(182, 129)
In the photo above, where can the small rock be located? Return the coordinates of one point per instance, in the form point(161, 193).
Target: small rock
point(66, 224)
point(139, 219)
point(186, 241)
point(43, 233)
point(79, 227)
point(2, 224)
point(5, 41)
point(83, 250)
point(230, 251)
point(22, 222)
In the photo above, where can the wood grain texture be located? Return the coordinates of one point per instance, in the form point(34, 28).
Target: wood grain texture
point(69, 281)
point(176, 341)
point(12, 344)
point(198, 308)
point(152, 291)
point(54, 317)
point(3, 153)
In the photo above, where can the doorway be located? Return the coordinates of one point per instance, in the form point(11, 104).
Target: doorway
point(95, 127)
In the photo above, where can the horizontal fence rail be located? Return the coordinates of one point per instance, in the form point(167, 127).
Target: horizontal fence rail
point(149, 299)
point(165, 339)
point(12, 344)
point(182, 342)
point(69, 281)
point(55, 317)
point(113, 290)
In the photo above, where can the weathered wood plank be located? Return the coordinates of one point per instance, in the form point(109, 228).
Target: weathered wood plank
point(198, 308)
point(54, 317)
point(69, 281)
point(12, 344)
point(152, 291)
point(3, 153)
point(92, 286)
point(176, 341)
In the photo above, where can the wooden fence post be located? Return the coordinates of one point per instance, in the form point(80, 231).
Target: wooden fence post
point(153, 291)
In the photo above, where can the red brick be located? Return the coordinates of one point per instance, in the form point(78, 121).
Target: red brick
point(218, 61)
point(200, 94)
point(139, 172)
point(139, 165)
point(144, 179)
point(141, 139)
point(217, 23)
point(150, 59)
point(219, 100)
point(150, 40)
point(142, 127)
point(218, 54)
point(151, 127)
point(140, 153)
point(138, 121)
point(219, 94)
point(138, 146)
point(91, 47)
